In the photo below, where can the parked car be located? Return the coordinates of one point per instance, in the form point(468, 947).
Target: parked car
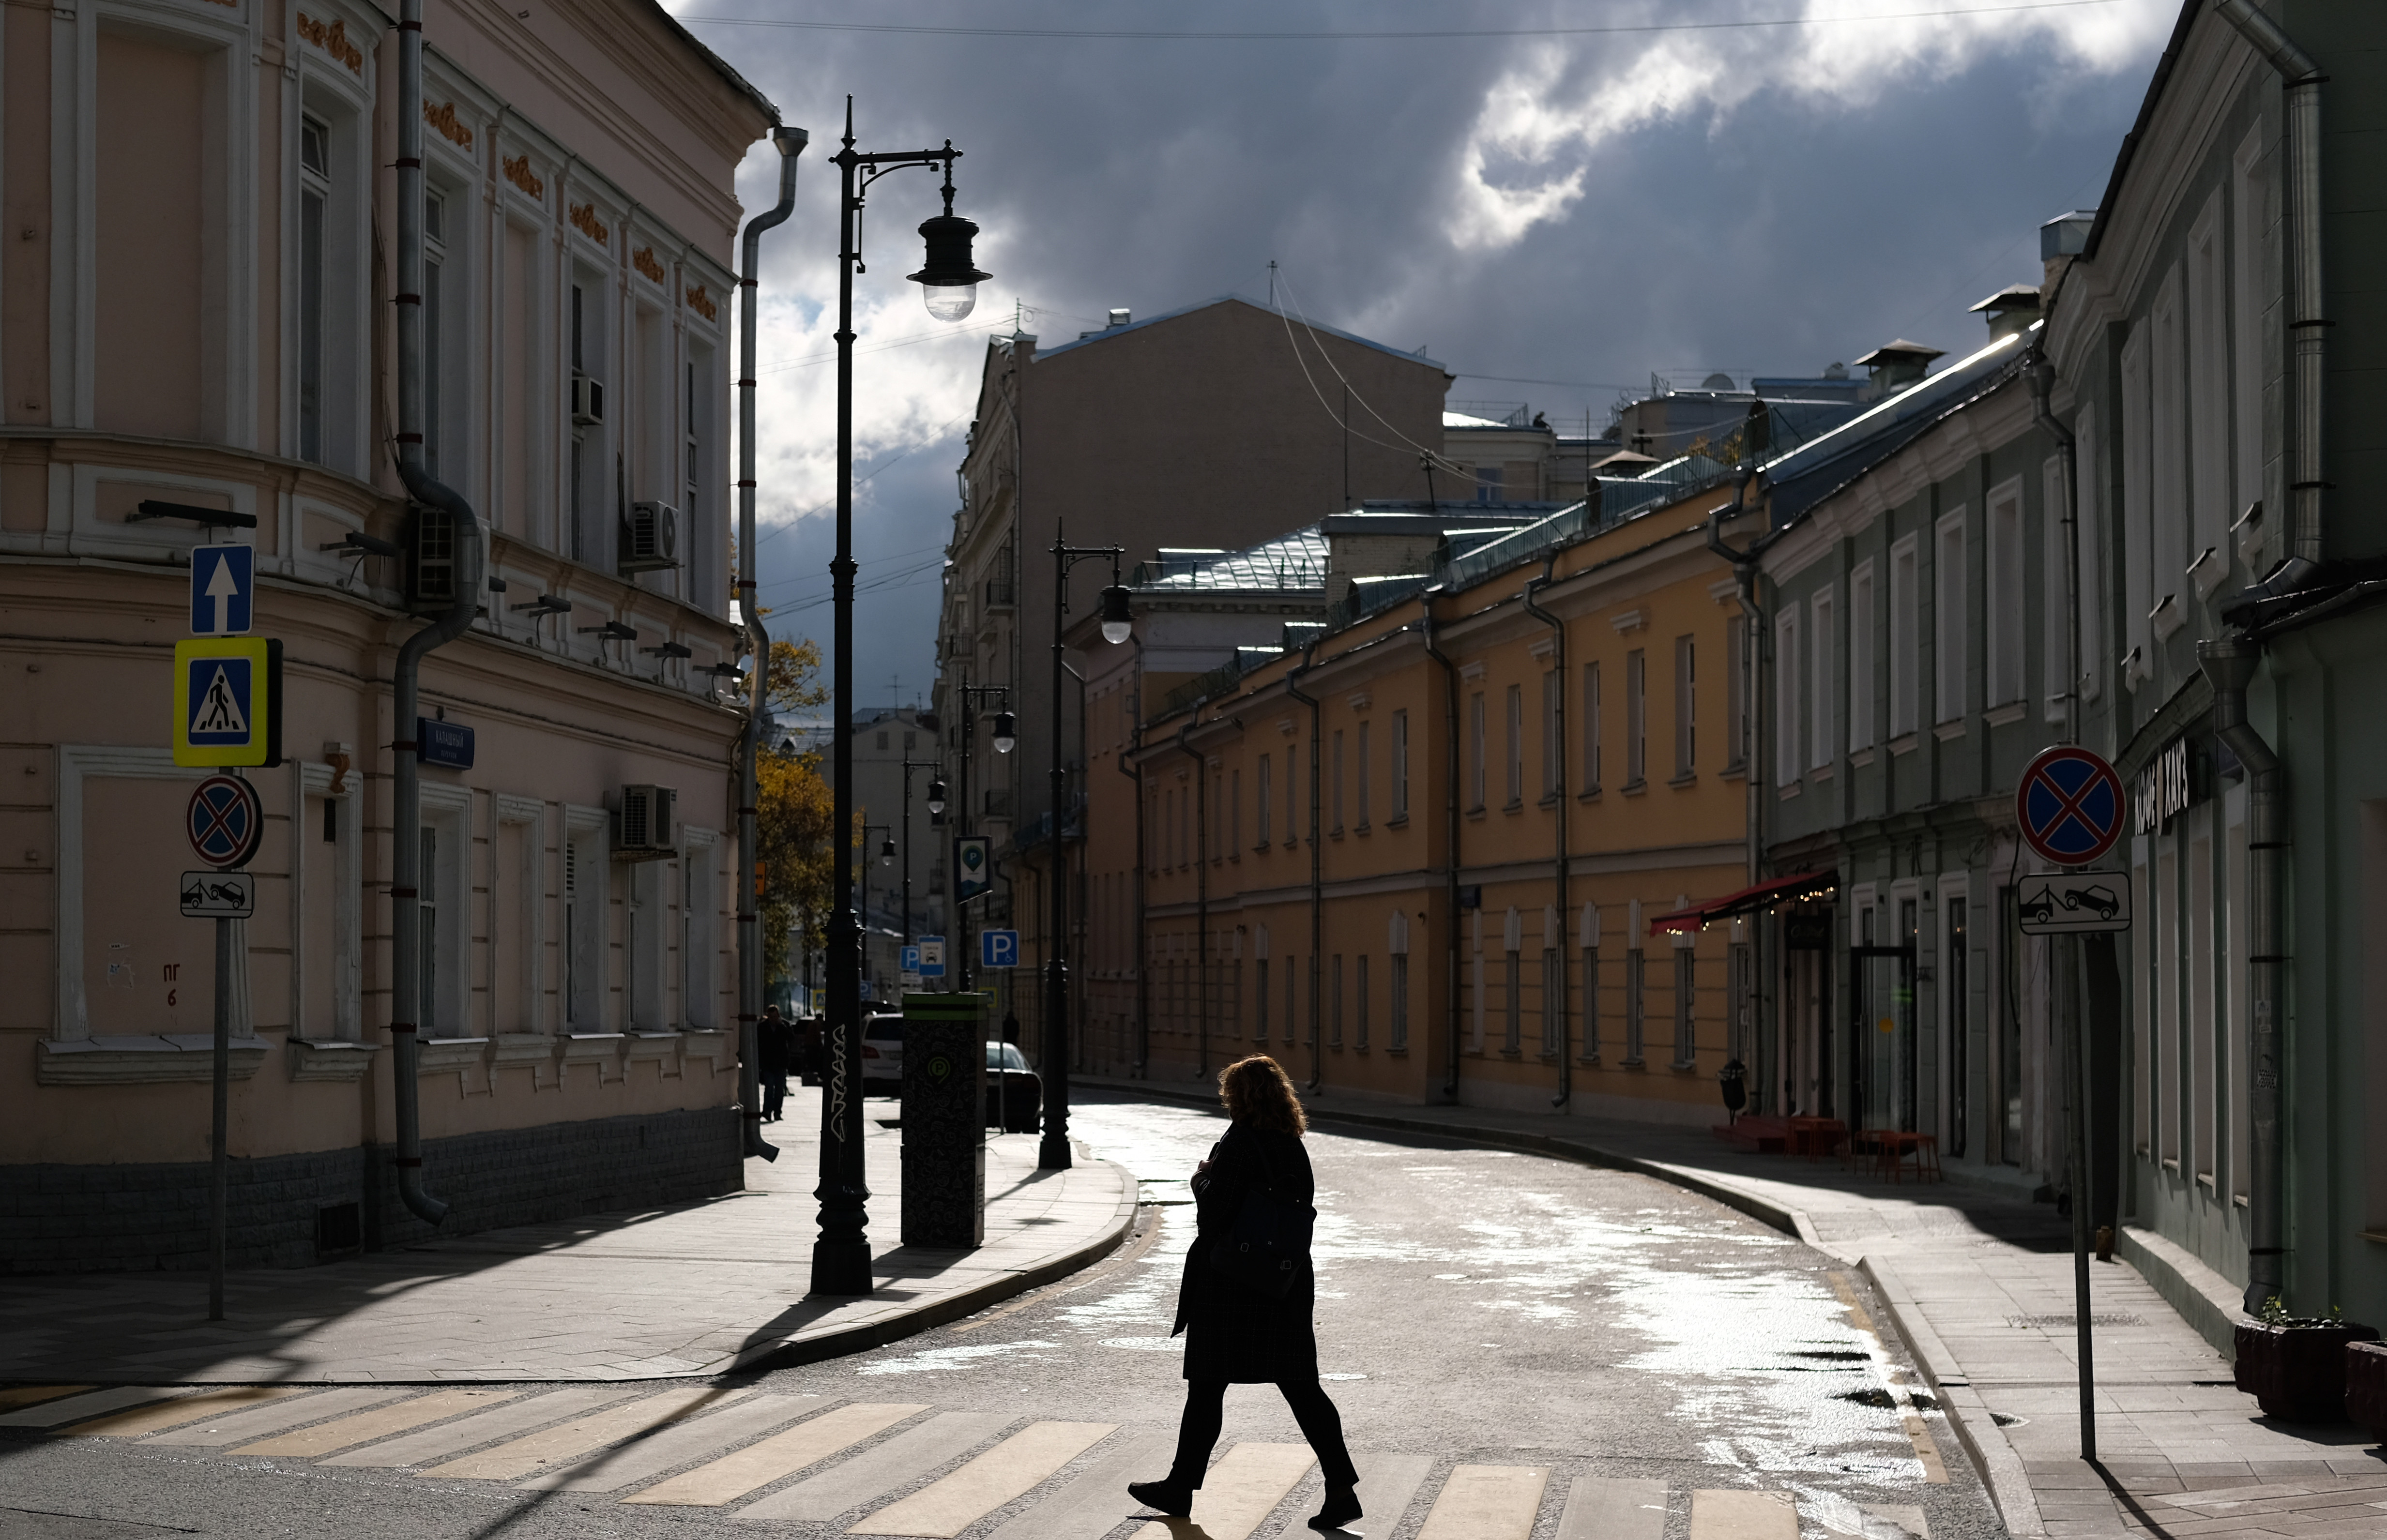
point(882, 1055)
point(1015, 1096)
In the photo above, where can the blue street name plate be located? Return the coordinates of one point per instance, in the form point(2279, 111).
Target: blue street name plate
point(447, 745)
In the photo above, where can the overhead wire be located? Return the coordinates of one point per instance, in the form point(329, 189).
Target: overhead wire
point(1427, 455)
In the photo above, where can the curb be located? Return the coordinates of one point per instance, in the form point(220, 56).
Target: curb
point(1996, 1463)
point(970, 1301)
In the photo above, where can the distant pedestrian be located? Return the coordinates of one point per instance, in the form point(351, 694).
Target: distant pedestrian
point(775, 1037)
point(812, 1054)
point(1246, 1298)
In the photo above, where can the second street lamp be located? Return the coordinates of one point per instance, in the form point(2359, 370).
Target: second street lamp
point(1053, 1150)
point(841, 1254)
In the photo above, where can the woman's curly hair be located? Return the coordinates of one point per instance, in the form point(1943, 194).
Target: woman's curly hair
point(1256, 1089)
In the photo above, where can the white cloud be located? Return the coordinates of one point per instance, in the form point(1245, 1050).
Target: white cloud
point(1541, 123)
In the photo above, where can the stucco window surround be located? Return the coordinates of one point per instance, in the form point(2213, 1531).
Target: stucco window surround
point(339, 251)
point(584, 901)
point(1586, 941)
point(1952, 965)
point(526, 459)
point(456, 167)
point(1951, 638)
point(448, 937)
point(518, 914)
point(72, 1055)
point(700, 936)
point(226, 199)
point(327, 1047)
point(2004, 621)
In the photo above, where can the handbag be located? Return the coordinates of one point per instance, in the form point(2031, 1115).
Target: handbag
point(1269, 1242)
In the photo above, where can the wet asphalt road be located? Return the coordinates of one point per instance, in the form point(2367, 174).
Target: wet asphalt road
point(1474, 1307)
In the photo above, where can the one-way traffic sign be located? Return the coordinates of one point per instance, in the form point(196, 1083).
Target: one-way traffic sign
point(223, 590)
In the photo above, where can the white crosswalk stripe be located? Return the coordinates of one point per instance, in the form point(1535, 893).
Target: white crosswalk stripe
point(885, 1470)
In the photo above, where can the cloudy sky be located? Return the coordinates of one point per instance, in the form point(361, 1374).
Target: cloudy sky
point(1557, 198)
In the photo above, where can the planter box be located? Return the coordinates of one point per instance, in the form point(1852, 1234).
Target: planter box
point(2365, 1387)
point(2297, 1372)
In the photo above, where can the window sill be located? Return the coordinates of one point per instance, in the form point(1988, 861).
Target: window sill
point(1262, 848)
point(1683, 1065)
point(1512, 1055)
point(1335, 833)
point(1819, 773)
point(1590, 796)
point(1906, 745)
point(1859, 758)
point(1632, 1064)
point(1785, 793)
point(1514, 804)
point(1400, 822)
point(2007, 714)
point(1548, 1057)
point(653, 1045)
point(328, 1060)
point(1551, 800)
point(1689, 778)
point(1634, 788)
point(1362, 827)
point(1949, 732)
point(2171, 1164)
point(1475, 811)
point(1396, 1052)
point(441, 1056)
point(1732, 773)
point(1294, 843)
point(1589, 1061)
point(184, 1056)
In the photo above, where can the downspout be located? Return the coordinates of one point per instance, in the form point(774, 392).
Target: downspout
point(1752, 665)
point(2040, 376)
point(2229, 664)
point(1317, 871)
point(1559, 864)
point(790, 143)
point(1131, 765)
point(406, 821)
point(1451, 822)
point(1080, 926)
point(1200, 897)
point(2301, 80)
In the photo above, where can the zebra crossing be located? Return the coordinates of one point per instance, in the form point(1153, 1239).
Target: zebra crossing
point(774, 1461)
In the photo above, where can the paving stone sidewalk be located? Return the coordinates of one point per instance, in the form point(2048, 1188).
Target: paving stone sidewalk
point(693, 1290)
point(1980, 1279)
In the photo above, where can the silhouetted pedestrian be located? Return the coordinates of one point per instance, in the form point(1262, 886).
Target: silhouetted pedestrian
point(1246, 1298)
point(774, 1038)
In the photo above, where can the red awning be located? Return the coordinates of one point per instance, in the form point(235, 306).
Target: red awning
point(1766, 895)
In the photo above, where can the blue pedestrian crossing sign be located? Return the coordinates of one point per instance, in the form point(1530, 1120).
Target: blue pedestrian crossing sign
point(228, 702)
point(223, 590)
point(998, 949)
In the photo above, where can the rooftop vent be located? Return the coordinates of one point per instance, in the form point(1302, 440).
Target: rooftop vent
point(1716, 382)
point(1835, 371)
point(1119, 317)
point(2011, 309)
point(2066, 235)
point(1898, 364)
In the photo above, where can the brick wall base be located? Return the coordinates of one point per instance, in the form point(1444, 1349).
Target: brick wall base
point(139, 1218)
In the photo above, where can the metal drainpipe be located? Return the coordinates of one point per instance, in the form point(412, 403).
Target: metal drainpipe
point(790, 143)
point(2301, 81)
point(405, 833)
point(2229, 664)
point(1201, 896)
point(1131, 765)
point(1450, 822)
point(1558, 872)
point(1752, 662)
point(1317, 871)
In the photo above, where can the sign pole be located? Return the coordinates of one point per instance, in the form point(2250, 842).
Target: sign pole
point(2077, 1072)
point(217, 1180)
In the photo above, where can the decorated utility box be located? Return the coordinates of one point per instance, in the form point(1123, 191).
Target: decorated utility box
point(944, 1119)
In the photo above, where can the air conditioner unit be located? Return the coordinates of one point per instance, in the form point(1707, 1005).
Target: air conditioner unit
point(588, 400)
point(646, 826)
point(650, 539)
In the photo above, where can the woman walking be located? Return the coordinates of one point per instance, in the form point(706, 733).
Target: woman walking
point(1240, 1331)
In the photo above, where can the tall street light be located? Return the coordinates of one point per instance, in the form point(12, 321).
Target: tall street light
point(841, 1254)
point(1053, 1151)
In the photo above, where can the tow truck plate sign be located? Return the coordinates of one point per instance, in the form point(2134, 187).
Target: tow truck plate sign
point(2066, 903)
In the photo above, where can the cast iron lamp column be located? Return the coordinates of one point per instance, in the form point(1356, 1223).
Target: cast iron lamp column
point(841, 1254)
point(1053, 1152)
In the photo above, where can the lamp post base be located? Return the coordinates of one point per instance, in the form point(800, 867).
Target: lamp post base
point(842, 1268)
point(1053, 1154)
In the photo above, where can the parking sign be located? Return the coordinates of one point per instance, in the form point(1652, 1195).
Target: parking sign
point(998, 949)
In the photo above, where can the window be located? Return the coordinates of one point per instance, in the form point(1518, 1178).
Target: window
point(1400, 767)
point(1512, 1038)
point(1516, 755)
point(2138, 510)
point(1475, 752)
point(1591, 728)
point(1736, 694)
point(1264, 768)
point(1292, 795)
point(1904, 627)
point(314, 205)
point(1489, 486)
point(1359, 1001)
point(1553, 734)
point(2249, 206)
point(1740, 1004)
point(1589, 966)
point(1234, 840)
point(584, 920)
point(1635, 1019)
point(2167, 381)
point(1397, 1026)
point(2208, 401)
point(1336, 783)
point(692, 510)
point(2004, 615)
point(1950, 652)
point(2055, 576)
point(577, 491)
point(1956, 1012)
point(1686, 1038)
point(1292, 999)
point(1686, 708)
point(426, 986)
point(1475, 983)
point(1362, 771)
point(1860, 654)
point(434, 257)
point(700, 944)
point(1259, 998)
point(1553, 1003)
point(1335, 1015)
point(2088, 511)
point(1786, 695)
point(1636, 718)
point(1821, 679)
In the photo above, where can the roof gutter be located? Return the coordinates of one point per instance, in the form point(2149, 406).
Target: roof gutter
point(1558, 861)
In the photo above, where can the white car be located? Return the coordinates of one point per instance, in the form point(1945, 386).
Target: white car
point(882, 1055)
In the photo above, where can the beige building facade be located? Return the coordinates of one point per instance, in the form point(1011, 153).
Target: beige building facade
point(196, 348)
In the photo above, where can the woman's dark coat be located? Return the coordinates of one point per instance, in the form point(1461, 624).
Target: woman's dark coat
point(1234, 1334)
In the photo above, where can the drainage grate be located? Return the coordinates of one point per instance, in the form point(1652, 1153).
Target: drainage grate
point(2068, 1321)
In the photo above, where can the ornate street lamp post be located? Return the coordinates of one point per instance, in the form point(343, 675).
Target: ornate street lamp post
point(841, 1254)
point(1053, 1151)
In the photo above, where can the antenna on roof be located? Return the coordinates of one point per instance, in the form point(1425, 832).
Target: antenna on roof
point(1272, 282)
